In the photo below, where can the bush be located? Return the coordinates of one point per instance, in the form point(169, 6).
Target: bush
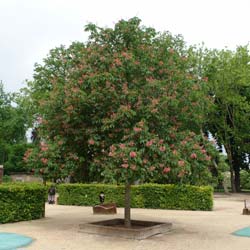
point(245, 179)
point(168, 196)
point(19, 202)
point(7, 178)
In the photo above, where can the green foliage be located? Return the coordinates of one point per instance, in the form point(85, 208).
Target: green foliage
point(228, 75)
point(14, 162)
point(20, 202)
point(13, 128)
point(7, 178)
point(168, 196)
point(245, 179)
point(123, 106)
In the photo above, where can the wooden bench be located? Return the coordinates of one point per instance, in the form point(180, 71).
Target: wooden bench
point(108, 208)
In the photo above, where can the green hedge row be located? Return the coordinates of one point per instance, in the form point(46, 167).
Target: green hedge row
point(19, 202)
point(184, 197)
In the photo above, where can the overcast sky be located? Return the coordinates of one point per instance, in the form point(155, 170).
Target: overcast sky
point(30, 28)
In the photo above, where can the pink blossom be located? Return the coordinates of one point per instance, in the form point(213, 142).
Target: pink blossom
point(117, 62)
point(203, 151)
point(208, 158)
point(91, 142)
point(175, 152)
point(111, 154)
point(44, 160)
point(166, 170)
point(161, 141)
point(181, 174)
point(132, 154)
point(181, 163)
point(137, 129)
point(193, 156)
point(162, 148)
point(122, 146)
point(149, 143)
point(124, 165)
point(112, 148)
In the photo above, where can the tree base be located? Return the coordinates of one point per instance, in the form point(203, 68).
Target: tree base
point(139, 229)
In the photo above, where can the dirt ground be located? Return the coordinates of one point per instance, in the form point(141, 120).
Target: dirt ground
point(194, 230)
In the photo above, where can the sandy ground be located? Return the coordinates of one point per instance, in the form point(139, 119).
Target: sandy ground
point(194, 230)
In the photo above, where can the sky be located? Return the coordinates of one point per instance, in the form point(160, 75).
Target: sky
point(30, 28)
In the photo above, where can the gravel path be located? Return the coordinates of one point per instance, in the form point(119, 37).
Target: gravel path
point(192, 230)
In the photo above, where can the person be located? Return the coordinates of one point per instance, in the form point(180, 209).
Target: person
point(101, 197)
point(52, 194)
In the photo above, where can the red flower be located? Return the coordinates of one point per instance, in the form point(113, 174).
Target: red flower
point(149, 143)
point(132, 154)
point(166, 170)
point(125, 165)
point(137, 129)
point(122, 146)
point(91, 142)
point(44, 161)
point(193, 156)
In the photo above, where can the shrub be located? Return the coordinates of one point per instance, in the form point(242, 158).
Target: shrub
point(7, 178)
point(245, 179)
point(168, 196)
point(21, 201)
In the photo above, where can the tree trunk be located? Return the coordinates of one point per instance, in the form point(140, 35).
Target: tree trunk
point(230, 159)
point(237, 178)
point(232, 180)
point(127, 218)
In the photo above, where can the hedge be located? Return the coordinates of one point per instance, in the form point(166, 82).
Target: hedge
point(184, 197)
point(20, 202)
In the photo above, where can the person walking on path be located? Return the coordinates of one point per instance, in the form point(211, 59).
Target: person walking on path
point(52, 194)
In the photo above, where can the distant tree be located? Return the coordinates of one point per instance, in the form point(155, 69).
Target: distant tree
point(228, 75)
point(123, 106)
point(12, 127)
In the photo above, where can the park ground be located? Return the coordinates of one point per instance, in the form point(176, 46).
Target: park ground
point(194, 230)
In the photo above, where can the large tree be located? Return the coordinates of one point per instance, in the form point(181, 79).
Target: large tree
point(124, 106)
point(12, 131)
point(228, 75)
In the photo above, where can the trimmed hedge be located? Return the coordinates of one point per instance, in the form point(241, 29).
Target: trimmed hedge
point(21, 201)
point(184, 197)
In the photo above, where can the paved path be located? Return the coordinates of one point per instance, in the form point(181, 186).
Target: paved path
point(192, 230)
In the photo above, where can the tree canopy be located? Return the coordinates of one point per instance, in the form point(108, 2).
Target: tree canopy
point(229, 73)
point(125, 105)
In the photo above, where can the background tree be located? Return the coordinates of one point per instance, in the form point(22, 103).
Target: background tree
point(229, 85)
point(12, 132)
point(123, 106)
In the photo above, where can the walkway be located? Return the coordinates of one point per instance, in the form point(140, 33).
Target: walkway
point(192, 230)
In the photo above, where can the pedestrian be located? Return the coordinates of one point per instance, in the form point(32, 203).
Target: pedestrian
point(52, 194)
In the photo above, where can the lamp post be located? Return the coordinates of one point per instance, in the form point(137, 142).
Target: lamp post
point(1, 174)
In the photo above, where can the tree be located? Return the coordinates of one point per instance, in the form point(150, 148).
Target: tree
point(12, 127)
point(229, 73)
point(123, 106)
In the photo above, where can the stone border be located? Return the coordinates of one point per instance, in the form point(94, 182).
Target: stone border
point(112, 228)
